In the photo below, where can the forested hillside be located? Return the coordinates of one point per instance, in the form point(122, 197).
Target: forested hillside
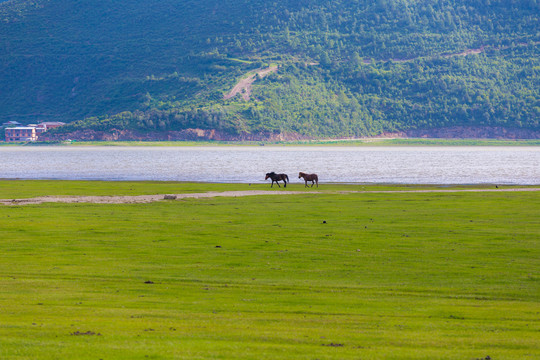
point(344, 67)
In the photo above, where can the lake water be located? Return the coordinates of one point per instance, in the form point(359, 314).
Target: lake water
point(399, 165)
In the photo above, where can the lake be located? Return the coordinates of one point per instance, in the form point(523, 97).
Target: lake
point(248, 164)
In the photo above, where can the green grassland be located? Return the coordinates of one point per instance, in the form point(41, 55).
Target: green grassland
point(309, 276)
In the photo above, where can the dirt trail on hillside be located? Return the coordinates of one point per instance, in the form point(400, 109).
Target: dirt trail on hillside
point(140, 199)
point(462, 53)
point(447, 56)
point(244, 86)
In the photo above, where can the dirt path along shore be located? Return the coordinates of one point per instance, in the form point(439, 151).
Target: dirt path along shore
point(139, 199)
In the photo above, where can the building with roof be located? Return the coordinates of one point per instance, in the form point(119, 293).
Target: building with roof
point(52, 124)
point(21, 134)
point(11, 123)
point(16, 132)
point(40, 128)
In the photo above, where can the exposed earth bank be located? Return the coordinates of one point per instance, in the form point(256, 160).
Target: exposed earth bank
point(187, 134)
point(456, 132)
point(464, 132)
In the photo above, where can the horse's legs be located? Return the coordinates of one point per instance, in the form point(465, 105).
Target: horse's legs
point(284, 183)
point(317, 181)
point(277, 183)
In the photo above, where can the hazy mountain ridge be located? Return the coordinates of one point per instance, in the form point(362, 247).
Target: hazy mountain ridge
point(166, 65)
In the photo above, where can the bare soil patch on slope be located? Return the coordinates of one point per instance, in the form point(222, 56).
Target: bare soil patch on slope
point(243, 87)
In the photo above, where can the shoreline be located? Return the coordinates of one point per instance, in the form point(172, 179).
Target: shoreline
point(263, 182)
point(367, 142)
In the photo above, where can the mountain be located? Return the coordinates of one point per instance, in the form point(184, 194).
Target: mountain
point(318, 68)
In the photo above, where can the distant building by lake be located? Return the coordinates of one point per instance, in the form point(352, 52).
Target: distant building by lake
point(15, 132)
point(21, 133)
point(11, 123)
point(52, 124)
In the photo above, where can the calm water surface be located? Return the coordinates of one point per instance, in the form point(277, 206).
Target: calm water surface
point(421, 165)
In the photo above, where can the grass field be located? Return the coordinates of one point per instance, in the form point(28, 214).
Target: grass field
point(310, 276)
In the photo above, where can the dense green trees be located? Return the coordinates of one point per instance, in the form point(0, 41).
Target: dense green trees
point(347, 67)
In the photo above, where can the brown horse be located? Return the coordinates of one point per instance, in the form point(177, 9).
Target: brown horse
point(277, 177)
point(309, 177)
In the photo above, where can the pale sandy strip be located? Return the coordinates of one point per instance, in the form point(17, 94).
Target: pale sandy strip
point(152, 198)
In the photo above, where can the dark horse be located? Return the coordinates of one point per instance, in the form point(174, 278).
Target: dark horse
point(277, 177)
point(309, 177)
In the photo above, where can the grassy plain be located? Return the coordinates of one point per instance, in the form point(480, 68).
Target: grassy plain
point(311, 276)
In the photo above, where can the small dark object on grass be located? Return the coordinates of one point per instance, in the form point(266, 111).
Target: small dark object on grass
point(148, 282)
point(324, 222)
point(333, 345)
point(218, 246)
point(78, 333)
point(169, 197)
